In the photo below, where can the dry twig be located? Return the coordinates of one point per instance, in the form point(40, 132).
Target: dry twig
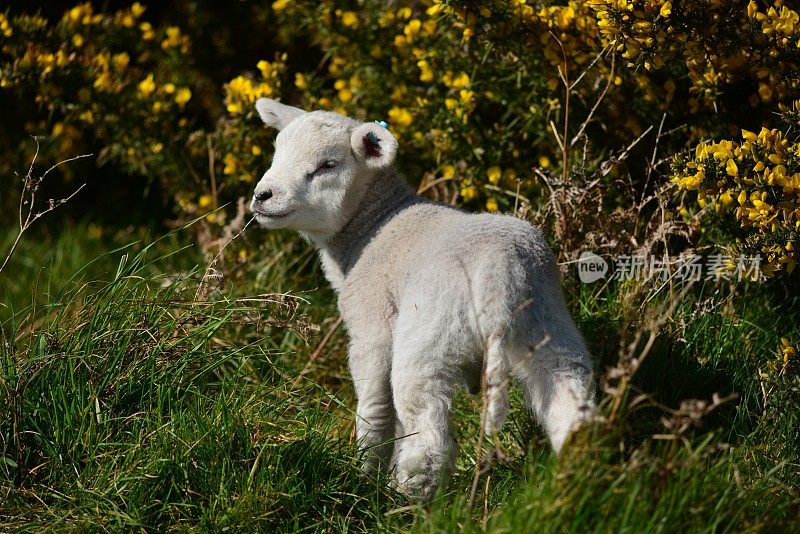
point(27, 202)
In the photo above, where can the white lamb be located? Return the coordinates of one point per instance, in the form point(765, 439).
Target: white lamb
point(426, 291)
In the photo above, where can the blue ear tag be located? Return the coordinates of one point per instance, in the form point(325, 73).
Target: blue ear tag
point(382, 123)
point(372, 138)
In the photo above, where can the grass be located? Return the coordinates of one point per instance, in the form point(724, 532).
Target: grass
point(126, 403)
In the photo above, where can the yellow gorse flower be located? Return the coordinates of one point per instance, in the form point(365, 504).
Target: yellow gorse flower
point(494, 174)
point(182, 96)
point(147, 86)
point(400, 116)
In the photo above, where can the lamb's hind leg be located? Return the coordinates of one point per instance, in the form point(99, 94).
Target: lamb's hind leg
point(556, 374)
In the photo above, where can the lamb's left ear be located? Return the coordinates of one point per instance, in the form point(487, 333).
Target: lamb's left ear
point(374, 145)
point(275, 114)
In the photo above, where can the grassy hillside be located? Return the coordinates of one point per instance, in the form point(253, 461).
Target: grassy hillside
point(132, 398)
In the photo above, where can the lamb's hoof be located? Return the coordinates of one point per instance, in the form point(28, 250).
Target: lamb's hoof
point(418, 487)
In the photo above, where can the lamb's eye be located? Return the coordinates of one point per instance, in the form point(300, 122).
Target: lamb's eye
point(330, 164)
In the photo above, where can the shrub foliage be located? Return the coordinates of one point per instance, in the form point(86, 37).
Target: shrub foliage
point(492, 98)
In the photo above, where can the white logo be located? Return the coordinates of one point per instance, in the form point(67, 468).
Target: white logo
point(591, 267)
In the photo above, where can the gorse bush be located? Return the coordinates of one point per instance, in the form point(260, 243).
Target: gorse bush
point(91, 76)
point(498, 101)
point(760, 176)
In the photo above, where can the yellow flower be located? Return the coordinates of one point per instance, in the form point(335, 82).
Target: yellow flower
point(280, 5)
point(217, 217)
point(448, 170)
point(345, 94)
point(666, 9)
point(300, 81)
point(147, 86)
point(436, 8)
point(765, 92)
point(752, 9)
point(266, 69)
point(230, 164)
point(349, 18)
point(147, 31)
point(468, 192)
point(128, 21)
point(205, 201)
point(77, 40)
point(400, 116)
point(491, 205)
point(156, 147)
point(787, 350)
point(256, 150)
point(494, 174)
point(121, 60)
point(174, 38)
point(564, 17)
point(104, 82)
point(411, 29)
point(742, 198)
point(182, 96)
point(80, 13)
point(731, 168)
point(544, 162)
point(458, 81)
point(426, 72)
point(5, 27)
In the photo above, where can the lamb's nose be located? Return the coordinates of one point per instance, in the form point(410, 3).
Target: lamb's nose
point(264, 195)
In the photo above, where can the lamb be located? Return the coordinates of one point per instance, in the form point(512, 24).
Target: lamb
point(426, 292)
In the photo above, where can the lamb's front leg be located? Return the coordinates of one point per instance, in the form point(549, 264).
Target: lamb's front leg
point(370, 367)
point(423, 388)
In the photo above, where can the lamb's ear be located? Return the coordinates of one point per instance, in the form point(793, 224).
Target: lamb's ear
point(275, 114)
point(374, 145)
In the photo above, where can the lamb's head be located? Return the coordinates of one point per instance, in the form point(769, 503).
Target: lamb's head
point(322, 167)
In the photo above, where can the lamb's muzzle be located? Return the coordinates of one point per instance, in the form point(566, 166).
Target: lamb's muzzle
point(427, 293)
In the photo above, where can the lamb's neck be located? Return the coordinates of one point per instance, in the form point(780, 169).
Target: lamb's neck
point(385, 197)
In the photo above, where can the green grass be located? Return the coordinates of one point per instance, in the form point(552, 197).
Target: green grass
point(125, 403)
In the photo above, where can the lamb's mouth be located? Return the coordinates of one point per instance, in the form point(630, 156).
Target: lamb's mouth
point(260, 215)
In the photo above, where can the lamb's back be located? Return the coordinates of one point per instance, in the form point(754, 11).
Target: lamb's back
point(433, 241)
point(434, 230)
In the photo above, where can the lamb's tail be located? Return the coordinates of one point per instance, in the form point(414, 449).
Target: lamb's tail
point(497, 378)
